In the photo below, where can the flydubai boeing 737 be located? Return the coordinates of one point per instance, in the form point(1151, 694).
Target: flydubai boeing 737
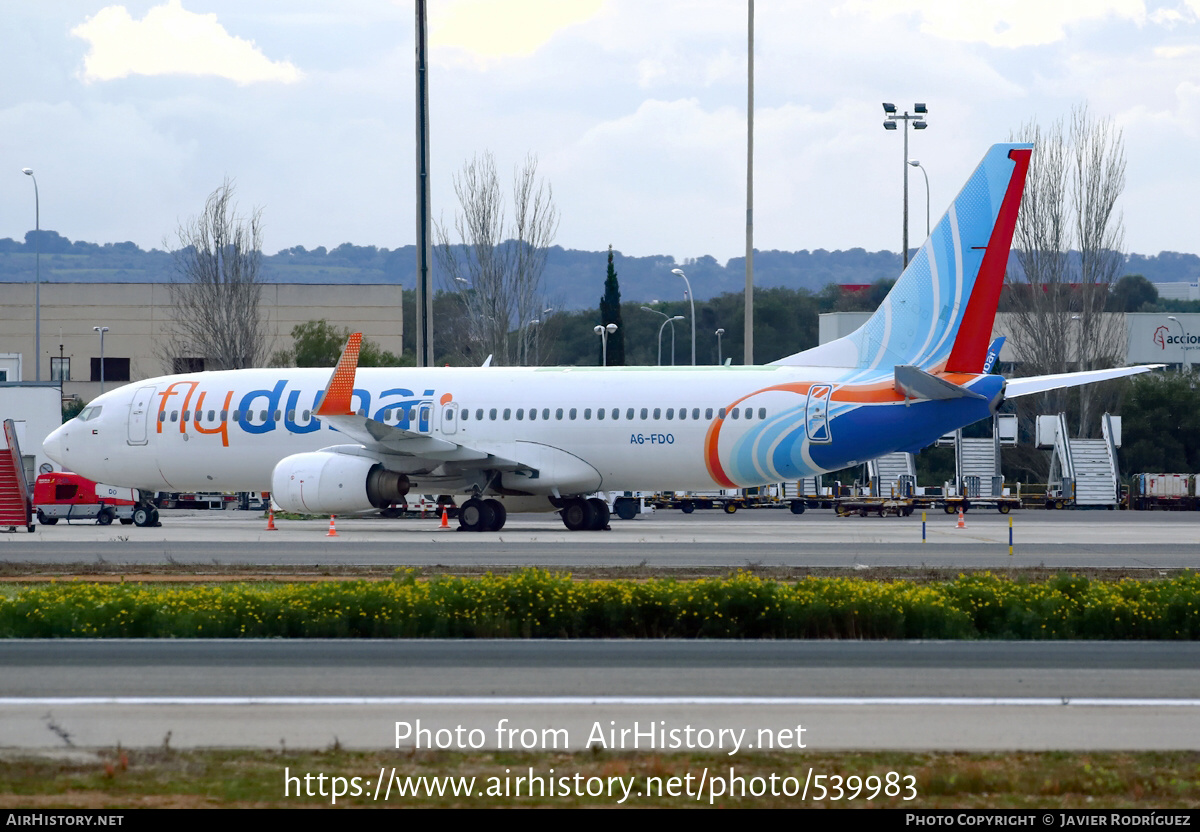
point(549, 437)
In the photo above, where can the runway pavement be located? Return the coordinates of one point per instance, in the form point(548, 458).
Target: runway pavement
point(905, 695)
point(953, 695)
point(1070, 539)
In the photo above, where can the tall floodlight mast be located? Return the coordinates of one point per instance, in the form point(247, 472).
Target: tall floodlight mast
point(424, 223)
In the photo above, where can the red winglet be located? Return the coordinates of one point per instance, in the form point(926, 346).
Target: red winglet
point(336, 401)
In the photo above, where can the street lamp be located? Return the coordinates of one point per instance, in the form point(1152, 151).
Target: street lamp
point(1186, 365)
point(536, 322)
point(917, 164)
point(720, 332)
point(37, 292)
point(667, 319)
point(919, 123)
point(604, 332)
point(692, 301)
point(101, 330)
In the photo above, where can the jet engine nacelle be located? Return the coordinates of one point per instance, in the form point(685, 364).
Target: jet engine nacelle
point(327, 483)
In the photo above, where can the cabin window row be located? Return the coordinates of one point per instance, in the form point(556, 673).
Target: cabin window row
point(504, 414)
point(224, 416)
point(612, 414)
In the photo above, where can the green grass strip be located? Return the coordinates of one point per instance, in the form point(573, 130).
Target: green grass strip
point(535, 603)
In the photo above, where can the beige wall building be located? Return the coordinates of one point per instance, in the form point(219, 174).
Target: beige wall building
point(138, 314)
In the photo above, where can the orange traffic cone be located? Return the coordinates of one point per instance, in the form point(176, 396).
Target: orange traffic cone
point(271, 520)
point(445, 517)
point(332, 528)
point(961, 523)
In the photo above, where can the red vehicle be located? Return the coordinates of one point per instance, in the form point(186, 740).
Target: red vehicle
point(62, 495)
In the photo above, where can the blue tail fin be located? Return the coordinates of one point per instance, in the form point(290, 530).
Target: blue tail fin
point(939, 314)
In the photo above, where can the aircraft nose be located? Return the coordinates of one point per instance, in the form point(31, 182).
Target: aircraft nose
point(55, 445)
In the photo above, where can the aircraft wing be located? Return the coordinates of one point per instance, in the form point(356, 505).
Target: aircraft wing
point(375, 435)
point(1015, 387)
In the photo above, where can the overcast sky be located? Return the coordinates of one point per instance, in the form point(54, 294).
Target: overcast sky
point(131, 114)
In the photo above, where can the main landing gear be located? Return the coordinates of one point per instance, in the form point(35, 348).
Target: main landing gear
point(145, 515)
point(476, 515)
point(585, 515)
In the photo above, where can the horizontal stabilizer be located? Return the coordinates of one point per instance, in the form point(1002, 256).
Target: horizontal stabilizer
point(1039, 384)
point(914, 383)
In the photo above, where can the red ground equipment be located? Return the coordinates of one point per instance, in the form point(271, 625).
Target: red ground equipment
point(64, 496)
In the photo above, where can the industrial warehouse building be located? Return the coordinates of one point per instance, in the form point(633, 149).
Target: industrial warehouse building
point(139, 317)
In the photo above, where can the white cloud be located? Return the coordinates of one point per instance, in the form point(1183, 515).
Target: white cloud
point(170, 40)
point(488, 29)
point(1006, 23)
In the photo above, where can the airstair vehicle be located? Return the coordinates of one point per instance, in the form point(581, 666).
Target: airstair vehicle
point(1083, 472)
point(16, 507)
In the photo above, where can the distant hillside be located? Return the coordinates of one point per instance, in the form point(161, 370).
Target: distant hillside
point(574, 279)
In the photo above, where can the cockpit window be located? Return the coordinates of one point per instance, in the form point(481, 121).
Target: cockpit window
point(89, 413)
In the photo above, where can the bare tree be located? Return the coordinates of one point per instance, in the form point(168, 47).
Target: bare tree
point(497, 268)
point(1068, 243)
point(218, 287)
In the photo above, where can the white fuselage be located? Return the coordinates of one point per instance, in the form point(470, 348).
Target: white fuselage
point(640, 428)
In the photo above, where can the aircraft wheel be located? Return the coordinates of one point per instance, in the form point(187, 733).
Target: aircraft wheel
point(154, 516)
point(730, 508)
point(499, 515)
point(44, 520)
point(141, 516)
point(600, 514)
point(797, 506)
point(627, 508)
point(475, 515)
point(577, 515)
point(687, 506)
point(105, 517)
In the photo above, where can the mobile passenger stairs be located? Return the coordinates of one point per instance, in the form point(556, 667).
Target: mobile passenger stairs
point(1083, 472)
point(978, 481)
point(16, 507)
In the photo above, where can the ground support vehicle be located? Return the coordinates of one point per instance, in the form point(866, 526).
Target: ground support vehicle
point(61, 495)
point(728, 500)
point(865, 506)
point(202, 500)
point(1163, 492)
point(951, 505)
point(629, 504)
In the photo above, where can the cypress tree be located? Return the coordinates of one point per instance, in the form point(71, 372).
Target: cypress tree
point(610, 313)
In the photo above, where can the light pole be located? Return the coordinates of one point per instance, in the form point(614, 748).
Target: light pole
point(37, 292)
point(918, 120)
point(917, 164)
point(101, 330)
point(667, 319)
point(604, 332)
point(720, 332)
point(692, 301)
point(1186, 365)
point(536, 322)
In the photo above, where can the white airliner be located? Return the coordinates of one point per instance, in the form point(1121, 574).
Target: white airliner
point(530, 438)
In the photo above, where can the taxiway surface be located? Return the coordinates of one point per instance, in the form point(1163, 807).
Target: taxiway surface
point(1106, 539)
